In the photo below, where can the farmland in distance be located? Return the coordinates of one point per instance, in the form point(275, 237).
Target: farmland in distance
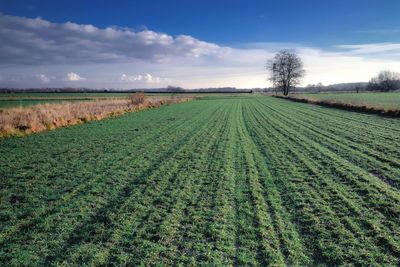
point(19, 99)
point(375, 100)
point(244, 180)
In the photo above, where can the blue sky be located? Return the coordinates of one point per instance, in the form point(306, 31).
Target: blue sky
point(341, 34)
point(230, 22)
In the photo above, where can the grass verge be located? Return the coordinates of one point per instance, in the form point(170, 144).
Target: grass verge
point(346, 105)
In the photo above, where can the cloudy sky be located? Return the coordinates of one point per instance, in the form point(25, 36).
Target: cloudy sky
point(136, 44)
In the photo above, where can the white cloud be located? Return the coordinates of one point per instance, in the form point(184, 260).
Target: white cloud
point(116, 57)
point(43, 78)
point(143, 79)
point(37, 41)
point(371, 48)
point(73, 77)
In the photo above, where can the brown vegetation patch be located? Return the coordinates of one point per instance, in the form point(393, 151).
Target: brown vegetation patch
point(37, 118)
point(137, 98)
point(358, 107)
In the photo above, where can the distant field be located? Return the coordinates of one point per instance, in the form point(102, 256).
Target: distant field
point(224, 181)
point(379, 100)
point(27, 99)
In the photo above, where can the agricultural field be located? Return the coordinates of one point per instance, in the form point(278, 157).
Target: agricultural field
point(28, 99)
point(375, 100)
point(245, 180)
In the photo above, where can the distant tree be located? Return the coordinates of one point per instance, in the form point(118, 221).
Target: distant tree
point(385, 81)
point(314, 87)
point(286, 70)
point(357, 88)
point(319, 87)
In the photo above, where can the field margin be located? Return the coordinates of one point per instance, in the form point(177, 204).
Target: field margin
point(344, 106)
point(22, 121)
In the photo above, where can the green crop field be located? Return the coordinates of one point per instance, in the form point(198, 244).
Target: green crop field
point(246, 180)
point(378, 100)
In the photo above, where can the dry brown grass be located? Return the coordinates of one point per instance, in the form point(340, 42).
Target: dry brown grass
point(137, 98)
point(32, 119)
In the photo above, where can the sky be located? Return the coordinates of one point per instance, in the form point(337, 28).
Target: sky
point(192, 44)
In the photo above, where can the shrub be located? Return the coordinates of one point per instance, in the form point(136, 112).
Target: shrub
point(137, 98)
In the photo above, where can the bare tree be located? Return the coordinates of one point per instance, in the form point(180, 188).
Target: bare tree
point(385, 81)
point(357, 88)
point(286, 70)
point(319, 87)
